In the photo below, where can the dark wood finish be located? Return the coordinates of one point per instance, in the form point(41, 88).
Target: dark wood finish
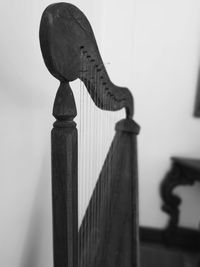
point(70, 51)
point(183, 171)
point(64, 179)
point(113, 239)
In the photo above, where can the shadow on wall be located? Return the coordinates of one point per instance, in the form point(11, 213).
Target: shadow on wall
point(38, 242)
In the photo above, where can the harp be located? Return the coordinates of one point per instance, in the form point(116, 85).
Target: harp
point(108, 232)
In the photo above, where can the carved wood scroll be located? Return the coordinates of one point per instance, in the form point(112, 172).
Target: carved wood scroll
point(183, 171)
point(70, 51)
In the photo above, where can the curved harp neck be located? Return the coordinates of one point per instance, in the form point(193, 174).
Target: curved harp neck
point(70, 51)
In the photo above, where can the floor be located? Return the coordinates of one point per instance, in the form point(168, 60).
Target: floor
point(158, 256)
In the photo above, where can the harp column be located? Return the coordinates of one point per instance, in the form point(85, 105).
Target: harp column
point(64, 179)
point(127, 131)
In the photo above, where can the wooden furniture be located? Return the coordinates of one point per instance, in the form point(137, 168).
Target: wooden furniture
point(183, 171)
point(108, 235)
point(172, 246)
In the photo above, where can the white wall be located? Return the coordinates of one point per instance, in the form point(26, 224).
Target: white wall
point(153, 48)
point(166, 63)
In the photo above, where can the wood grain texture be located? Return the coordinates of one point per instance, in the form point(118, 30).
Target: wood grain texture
point(113, 239)
point(64, 180)
point(70, 51)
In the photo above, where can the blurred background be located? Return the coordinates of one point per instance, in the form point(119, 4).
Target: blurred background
point(153, 48)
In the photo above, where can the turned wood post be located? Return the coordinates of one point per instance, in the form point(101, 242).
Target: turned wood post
point(64, 179)
point(128, 130)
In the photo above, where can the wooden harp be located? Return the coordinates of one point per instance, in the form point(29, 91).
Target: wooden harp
point(108, 234)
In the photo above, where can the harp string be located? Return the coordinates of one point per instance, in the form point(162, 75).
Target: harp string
point(80, 156)
point(97, 162)
point(98, 146)
point(97, 158)
point(91, 138)
point(96, 130)
point(101, 148)
point(86, 180)
point(88, 146)
point(104, 130)
point(107, 167)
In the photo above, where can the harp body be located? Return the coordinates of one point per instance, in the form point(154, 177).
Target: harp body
point(70, 52)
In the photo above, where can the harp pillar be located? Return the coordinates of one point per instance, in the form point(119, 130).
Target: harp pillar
point(127, 131)
point(64, 179)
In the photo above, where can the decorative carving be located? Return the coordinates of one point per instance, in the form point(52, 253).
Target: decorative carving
point(70, 52)
point(183, 172)
point(64, 178)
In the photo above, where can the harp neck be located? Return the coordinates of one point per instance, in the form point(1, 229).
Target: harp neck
point(70, 51)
